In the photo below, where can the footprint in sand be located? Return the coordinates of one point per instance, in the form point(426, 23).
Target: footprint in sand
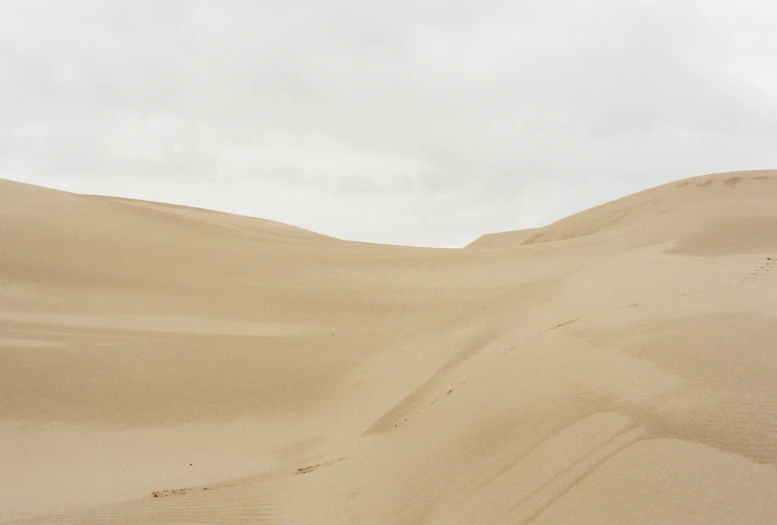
point(760, 271)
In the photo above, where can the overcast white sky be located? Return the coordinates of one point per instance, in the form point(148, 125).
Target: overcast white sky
point(417, 122)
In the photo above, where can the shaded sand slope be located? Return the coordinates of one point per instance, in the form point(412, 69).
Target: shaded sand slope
point(170, 365)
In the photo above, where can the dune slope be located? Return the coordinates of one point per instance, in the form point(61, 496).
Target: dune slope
point(163, 364)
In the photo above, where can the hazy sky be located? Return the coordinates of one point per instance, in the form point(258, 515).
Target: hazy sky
point(411, 121)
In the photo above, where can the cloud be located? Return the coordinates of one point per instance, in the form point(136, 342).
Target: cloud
point(466, 105)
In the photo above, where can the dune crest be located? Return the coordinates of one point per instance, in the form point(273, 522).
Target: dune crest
point(165, 364)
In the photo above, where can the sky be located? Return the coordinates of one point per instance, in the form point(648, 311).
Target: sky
point(417, 122)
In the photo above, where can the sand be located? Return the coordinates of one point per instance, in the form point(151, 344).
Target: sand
point(169, 365)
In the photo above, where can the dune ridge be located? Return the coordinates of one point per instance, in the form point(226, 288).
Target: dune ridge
point(165, 364)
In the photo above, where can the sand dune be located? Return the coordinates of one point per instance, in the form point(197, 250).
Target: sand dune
point(164, 364)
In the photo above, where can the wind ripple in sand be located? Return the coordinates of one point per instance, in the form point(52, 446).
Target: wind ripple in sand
point(257, 500)
point(28, 343)
point(157, 323)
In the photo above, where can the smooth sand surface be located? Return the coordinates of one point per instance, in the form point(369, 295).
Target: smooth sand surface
point(170, 365)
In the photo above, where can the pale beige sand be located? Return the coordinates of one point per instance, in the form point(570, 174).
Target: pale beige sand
point(169, 365)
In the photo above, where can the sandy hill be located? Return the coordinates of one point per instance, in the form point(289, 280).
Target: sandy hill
point(168, 365)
